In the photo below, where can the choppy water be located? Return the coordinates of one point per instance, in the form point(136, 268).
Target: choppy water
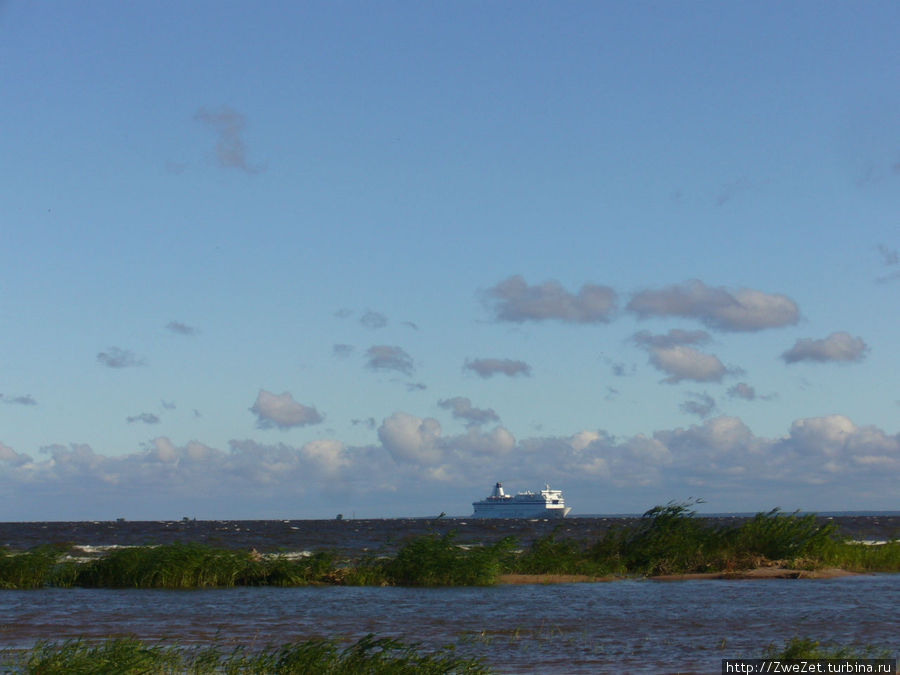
point(623, 626)
point(353, 536)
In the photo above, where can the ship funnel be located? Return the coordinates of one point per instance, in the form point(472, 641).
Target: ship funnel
point(498, 491)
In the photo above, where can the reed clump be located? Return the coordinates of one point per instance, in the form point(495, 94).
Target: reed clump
point(807, 648)
point(671, 539)
point(177, 566)
point(668, 539)
point(37, 568)
point(130, 656)
point(436, 560)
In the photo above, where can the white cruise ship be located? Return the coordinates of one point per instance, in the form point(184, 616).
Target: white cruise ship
point(544, 504)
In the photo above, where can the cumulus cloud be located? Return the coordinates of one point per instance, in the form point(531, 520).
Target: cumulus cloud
point(18, 400)
point(720, 456)
point(114, 357)
point(414, 441)
point(514, 300)
point(686, 363)
point(742, 390)
point(181, 328)
point(369, 422)
point(720, 309)
point(146, 418)
point(816, 451)
point(671, 339)
point(491, 367)
point(890, 258)
point(387, 357)
point(730, 190)
point(329, 454)
point(282, 411)
point(702, 405)
point(13, 458)
point(461, 408)
point(228, 124)
point(373, 320)
point(411, 439)
point(342, 351)
point(840, 347)
point(672, 354)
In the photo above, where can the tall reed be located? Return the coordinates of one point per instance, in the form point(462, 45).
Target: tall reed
point(130, 656)
point(436, 560)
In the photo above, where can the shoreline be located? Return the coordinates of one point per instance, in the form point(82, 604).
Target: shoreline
point(738, 575)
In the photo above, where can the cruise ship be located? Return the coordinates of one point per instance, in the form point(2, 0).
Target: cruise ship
point(544, 504)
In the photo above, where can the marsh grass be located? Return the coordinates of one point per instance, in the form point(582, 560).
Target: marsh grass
point(857, 557)
point(436, 560)
point(176, 566)
point(130, 656)
point(807, 648)
point(37, 568)
point(668, 539)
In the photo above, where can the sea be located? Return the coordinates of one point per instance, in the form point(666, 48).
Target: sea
point(625, 626)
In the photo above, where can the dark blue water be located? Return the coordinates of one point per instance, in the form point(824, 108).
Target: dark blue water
point(623, 626)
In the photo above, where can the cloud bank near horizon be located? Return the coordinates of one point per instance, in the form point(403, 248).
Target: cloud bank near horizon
point(717, 455)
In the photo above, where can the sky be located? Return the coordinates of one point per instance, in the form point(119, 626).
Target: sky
point(295, 259)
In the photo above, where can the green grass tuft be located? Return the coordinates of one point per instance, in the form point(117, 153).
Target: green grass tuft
point(130, 656)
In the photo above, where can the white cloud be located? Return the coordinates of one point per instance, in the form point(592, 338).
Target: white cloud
point(721, 458)
point(703, 405)
point(686, 363)
point(719, 308)
point(387, 357)
point(7, 454)
point(146, 418)
point(514, 300)
point(27, 399)
point(461, 408)
point(490, 367)
point(282, 411)
point(373, 320)
point(673, 338)
point(231, 151)
point(840, 347)
point(410, 439)
point(181, 328)
point(331, 455)
point(742, 390)
point(114, 357)
point(342, 351)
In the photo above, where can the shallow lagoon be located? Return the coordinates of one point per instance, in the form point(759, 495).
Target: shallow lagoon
point(623, 626)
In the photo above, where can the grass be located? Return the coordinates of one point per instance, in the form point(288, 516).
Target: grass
point(130, 656)
point(668, 539)
point(36, 568)
point(807, 648)
point(435, 560)
point(178, 566)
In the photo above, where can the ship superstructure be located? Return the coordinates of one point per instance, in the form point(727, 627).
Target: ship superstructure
point(544, 504)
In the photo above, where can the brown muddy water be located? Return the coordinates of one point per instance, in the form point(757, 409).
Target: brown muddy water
point(637, 626)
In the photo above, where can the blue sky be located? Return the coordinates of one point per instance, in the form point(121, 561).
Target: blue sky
point(296, 259)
